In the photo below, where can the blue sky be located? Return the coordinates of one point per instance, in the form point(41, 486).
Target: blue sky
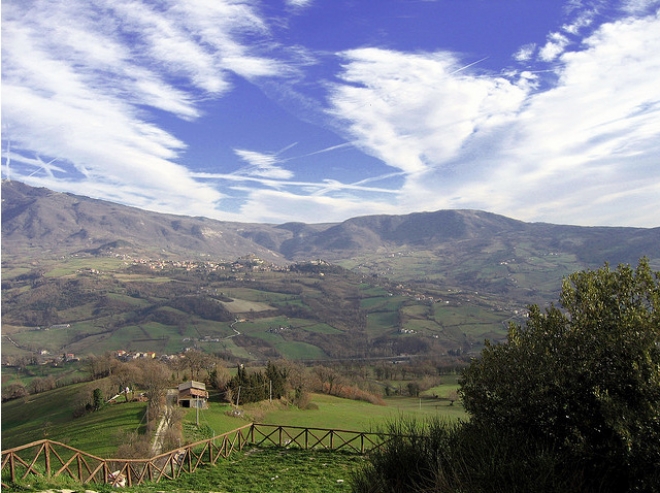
point(321, 110)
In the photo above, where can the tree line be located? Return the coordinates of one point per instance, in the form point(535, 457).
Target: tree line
point(569, 403)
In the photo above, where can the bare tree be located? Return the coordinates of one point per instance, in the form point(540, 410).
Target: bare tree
point(14, 391)
point(154, 382)
point(99, 366)
point(298, 382)
point(220, 377)
point(125, 376)
point(197, 362)
point(330, 379)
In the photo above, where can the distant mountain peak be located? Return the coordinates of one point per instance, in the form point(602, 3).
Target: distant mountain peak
point(40, 222)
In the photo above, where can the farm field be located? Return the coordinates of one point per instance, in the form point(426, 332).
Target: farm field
point(332, 412)
point(92, 305)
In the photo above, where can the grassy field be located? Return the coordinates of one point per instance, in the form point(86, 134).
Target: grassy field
point(333, 412)
point(50, 415)
point(36, 417)
point(109, 305)
point(267, 470)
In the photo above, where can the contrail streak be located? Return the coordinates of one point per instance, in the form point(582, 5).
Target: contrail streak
point(468, 66)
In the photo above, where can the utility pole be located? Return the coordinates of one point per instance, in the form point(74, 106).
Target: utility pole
point(271, 391)
point(239, 395)
point(197, 406)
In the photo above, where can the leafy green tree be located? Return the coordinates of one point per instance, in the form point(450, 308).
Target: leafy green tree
point(97, 397)
point(276, 376)
point(413, 389)
point(584, 378)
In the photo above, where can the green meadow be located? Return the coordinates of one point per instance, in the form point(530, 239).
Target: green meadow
point(50, 415)
point(110, 305)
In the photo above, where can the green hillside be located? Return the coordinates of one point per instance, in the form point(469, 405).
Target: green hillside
point(51, 415)
point(246, 309)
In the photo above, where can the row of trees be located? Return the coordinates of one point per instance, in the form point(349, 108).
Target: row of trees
point(257, 386)
point(570, 403)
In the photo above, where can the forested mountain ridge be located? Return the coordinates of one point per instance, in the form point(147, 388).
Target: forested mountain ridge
point(41, 222)
point(426, 283)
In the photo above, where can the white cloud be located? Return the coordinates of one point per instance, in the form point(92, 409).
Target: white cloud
point(298, 3)
point(640, 6)
point(417, 111)
point(554, 47)
point(583, 151)
point(264, 165)
point(277, 207)
point(584, 19)
point(80, 80)
point(82, 83)
point(525, 53)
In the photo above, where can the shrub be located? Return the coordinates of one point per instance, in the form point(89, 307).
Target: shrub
point(434, 456)
point(570, 403)
point(584, 380)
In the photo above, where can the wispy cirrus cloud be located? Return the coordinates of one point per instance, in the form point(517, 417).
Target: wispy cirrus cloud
point(495, 143)
point(80, 81)
point(415, 111)
point(261, 164)
point(91, 90)
point(298, 3)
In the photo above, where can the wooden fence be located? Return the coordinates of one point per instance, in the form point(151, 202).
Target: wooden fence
point(315, 438)
point(50, 459)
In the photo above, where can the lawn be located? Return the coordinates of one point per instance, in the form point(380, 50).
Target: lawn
point(50, 415)
point(331, 412)
point(271, 470)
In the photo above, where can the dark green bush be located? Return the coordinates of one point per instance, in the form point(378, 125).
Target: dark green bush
point(570, 403)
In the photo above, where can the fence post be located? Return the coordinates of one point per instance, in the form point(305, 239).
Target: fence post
point(80, 468)
point(47, 457)
point(12, 467)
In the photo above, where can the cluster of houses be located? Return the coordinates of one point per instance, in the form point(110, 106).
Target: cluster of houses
point(132, 355)
point(249, 262)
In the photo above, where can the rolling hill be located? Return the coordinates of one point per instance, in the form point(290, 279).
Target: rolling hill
point(408, 284)
point(43, 222)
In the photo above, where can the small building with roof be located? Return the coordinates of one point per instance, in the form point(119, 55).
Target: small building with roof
point(192, 394)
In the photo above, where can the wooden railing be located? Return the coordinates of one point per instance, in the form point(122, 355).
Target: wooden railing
point(315, 438)
point(50, 459)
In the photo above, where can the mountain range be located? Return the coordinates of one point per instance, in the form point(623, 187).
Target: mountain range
point(41, 222)
point(467, 250)
point(443, 281)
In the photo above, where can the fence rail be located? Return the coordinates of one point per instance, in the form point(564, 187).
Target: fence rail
point(51, 459)
point(316, 438)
